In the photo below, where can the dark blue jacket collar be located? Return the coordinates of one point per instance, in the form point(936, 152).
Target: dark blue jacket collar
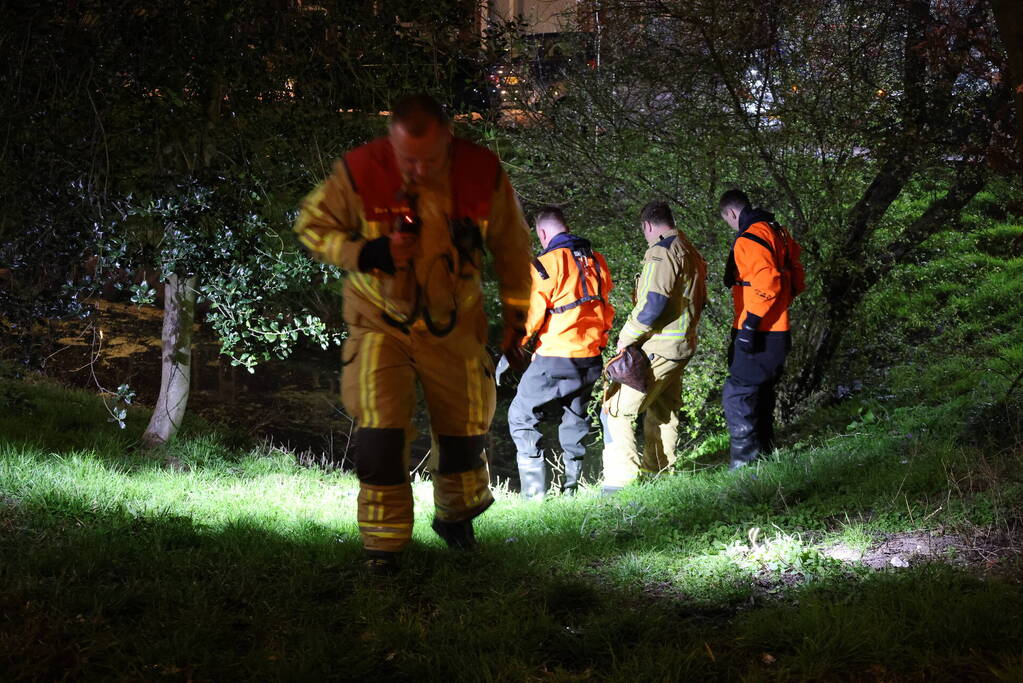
point(565, 239)
point(667, 240)
point(749, 216)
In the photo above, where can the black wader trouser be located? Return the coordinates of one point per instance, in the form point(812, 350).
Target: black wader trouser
point(569, 381)
point(749, 394)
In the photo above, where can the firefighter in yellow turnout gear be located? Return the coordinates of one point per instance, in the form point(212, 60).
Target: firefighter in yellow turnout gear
point(409, 216)
point(670, 293)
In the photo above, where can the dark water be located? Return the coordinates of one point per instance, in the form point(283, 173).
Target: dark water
point(293, 403)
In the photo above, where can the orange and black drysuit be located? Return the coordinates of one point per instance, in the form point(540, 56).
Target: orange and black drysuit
point(765, 274)
point(569, 316)
point(424, 322)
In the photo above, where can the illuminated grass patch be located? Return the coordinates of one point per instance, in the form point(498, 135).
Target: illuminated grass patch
point(240, 563)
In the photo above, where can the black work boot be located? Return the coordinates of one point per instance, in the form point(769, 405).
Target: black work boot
point(458, 535)
point(381, 563)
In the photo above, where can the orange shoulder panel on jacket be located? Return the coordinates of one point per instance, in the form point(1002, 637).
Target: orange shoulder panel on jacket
point(576, 315)
point(374, 173)
point(766, 294)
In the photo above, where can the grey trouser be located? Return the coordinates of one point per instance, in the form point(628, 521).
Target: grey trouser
point(569, 381)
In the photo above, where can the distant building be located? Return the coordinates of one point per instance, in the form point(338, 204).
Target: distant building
point(542, 16)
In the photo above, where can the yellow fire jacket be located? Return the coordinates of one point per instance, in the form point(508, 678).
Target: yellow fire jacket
point(670, 293)
point(338, 221)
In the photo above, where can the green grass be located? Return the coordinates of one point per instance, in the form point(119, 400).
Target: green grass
point(248, 566)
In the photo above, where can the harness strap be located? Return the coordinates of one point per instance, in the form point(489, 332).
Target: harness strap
point(540, 270)
point(759, 240)
point(783, 268)
point(580, 255)
point(576, 303)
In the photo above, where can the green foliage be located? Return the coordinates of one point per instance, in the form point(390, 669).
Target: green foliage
point(179, 138)
point(849, 164)
point(958, 296)
point(237, 242)
point(122, 400)
point(782, 553)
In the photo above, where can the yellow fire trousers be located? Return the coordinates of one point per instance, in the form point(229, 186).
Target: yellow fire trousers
point(380, 368)
point(621, 407)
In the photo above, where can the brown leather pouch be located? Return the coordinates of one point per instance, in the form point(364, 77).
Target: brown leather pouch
point(630, 367)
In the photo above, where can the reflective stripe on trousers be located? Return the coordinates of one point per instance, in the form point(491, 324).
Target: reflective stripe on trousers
point(378, 387)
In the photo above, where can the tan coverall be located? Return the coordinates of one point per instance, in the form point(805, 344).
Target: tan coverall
point(670, 293)
point(389, 346)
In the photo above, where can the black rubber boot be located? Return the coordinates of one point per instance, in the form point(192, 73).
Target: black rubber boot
point(573, 472)
point(458, 535)
point(743, 450)
point(381, 563)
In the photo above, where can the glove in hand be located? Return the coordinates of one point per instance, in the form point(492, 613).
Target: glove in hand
point(744, 340)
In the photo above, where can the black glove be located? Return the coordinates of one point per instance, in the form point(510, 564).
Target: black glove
point(376, 255)
point(744, 338)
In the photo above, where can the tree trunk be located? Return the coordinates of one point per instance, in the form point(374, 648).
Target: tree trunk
point(850, 282)
point(1009, 18)
point(175, 361)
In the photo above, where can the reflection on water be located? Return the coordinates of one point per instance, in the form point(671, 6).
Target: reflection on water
point(293, 403)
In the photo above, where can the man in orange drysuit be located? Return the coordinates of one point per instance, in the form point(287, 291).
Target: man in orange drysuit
point(765, 274)
point(409, 216)
point(569, 316)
